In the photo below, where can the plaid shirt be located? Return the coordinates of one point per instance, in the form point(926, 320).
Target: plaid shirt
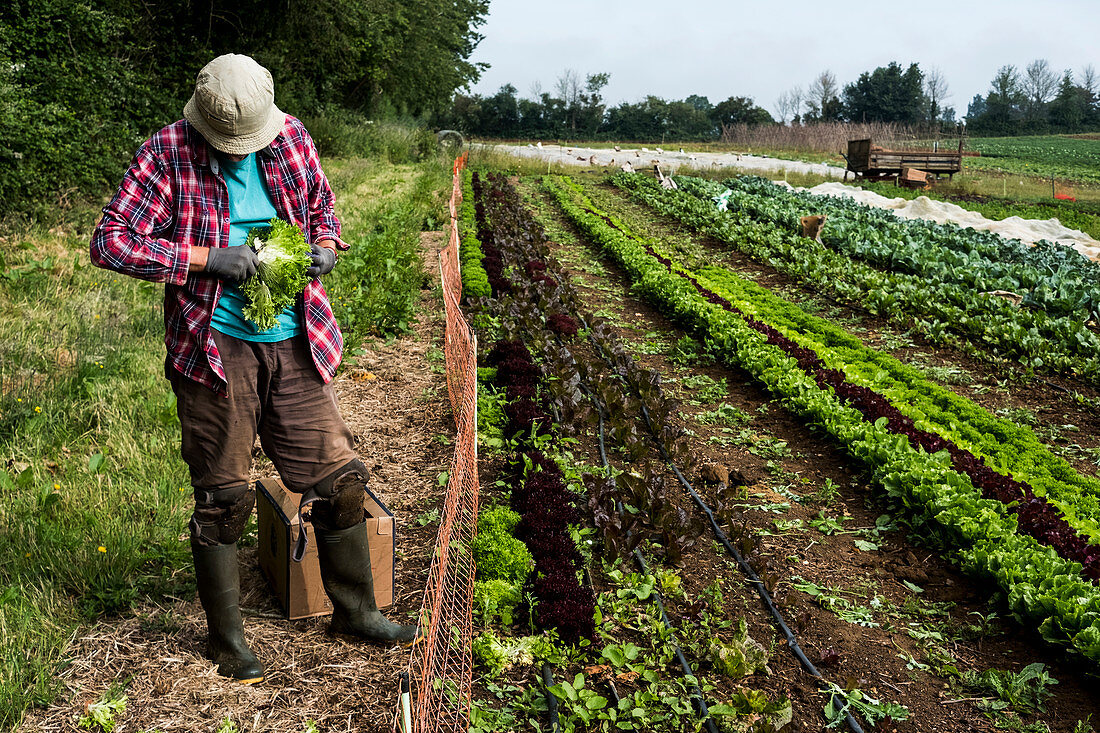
point(173, 198)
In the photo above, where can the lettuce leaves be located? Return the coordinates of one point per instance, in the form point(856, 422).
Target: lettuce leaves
point(284, 256)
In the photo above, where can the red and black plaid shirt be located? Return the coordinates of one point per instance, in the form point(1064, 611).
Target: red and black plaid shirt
point(172, 198)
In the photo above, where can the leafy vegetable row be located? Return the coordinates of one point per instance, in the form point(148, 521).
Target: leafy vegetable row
point(1038, 582)
point(539, 494)
point(475, 283)
point(1050, 277)
point(943, 313)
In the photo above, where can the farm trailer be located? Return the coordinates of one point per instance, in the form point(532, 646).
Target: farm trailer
point(872, 162)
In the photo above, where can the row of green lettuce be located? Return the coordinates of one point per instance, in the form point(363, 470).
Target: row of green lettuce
point(974, 322)
point(475, 283)
point(1050, 277)
point(944, 505)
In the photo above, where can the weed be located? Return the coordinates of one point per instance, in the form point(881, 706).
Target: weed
point(831, 600)
point(1021, 415)
point(227, 726)
point(689, 352)
point(944, 373)
point(891, 340)
point(842, 701)
point(825, 494)
point(724, 414)
point(827, 525)
point(1024, 691)
point(705, 389)
point(101, 713)
point(425, 518)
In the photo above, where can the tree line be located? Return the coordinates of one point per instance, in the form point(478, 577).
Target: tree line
point(1036, 101)
point(83, 83)
point(575, 109)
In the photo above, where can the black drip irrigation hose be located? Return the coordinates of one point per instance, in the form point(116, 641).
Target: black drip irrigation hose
point(746, 568)
point(697, 700)
point(551, 700)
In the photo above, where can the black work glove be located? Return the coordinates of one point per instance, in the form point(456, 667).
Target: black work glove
point(324, 259)
point(232, 263)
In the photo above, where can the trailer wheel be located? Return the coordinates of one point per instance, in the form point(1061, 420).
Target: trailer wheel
point(450, 139)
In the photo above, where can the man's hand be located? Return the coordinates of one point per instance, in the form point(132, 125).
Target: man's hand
point(232, 263)
point(324, 259)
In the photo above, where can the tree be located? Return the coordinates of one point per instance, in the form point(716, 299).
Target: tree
point(797, 97)
point(976, 108)
point(699, 102)
point(644, 120)
point(684, 120)
point(1003, 105)
point(568, 87)
point(1067, 110)
point(592, 107)
point(1090, 92)
point(822, 102)
point(500, 113)
point(935, 92)
point(784, 107)
point(1039, 86)
point(887, 94)
point(737, 110)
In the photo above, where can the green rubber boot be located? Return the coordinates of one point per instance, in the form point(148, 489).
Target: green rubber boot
point(219, 585)
point(346, 575)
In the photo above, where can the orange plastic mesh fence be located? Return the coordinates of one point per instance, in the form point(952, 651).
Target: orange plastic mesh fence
point(440, 668)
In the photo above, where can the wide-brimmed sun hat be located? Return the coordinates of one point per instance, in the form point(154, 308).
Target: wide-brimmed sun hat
point(234, 105)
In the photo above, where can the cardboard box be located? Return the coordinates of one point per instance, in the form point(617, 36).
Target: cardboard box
point(297, 585)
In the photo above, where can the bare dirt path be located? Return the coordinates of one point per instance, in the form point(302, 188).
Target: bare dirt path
point(393, 396)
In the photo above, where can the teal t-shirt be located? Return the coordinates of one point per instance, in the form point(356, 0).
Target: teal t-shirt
point(250, 206)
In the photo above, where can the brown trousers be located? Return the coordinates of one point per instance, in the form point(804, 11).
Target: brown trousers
point(275, 392)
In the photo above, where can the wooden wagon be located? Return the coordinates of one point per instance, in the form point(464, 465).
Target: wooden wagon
point(872, 162)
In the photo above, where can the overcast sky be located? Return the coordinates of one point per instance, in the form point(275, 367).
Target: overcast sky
point(758, 49)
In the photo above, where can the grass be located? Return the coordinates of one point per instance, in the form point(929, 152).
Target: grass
point(94, 498)
point(384, 208)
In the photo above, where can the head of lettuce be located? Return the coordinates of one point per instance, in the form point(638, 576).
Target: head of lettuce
point(282, 259)
point(230, 209)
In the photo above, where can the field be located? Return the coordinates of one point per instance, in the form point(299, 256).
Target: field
point(733, 479)
point(742, 443)
point(1062, 156)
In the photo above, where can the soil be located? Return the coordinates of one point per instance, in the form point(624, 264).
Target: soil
point(393, 396)
point(845, 653)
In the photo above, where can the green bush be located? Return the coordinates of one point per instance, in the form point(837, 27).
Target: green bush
point(342, 133)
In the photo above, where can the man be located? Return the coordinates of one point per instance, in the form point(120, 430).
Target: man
point(181, 217)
